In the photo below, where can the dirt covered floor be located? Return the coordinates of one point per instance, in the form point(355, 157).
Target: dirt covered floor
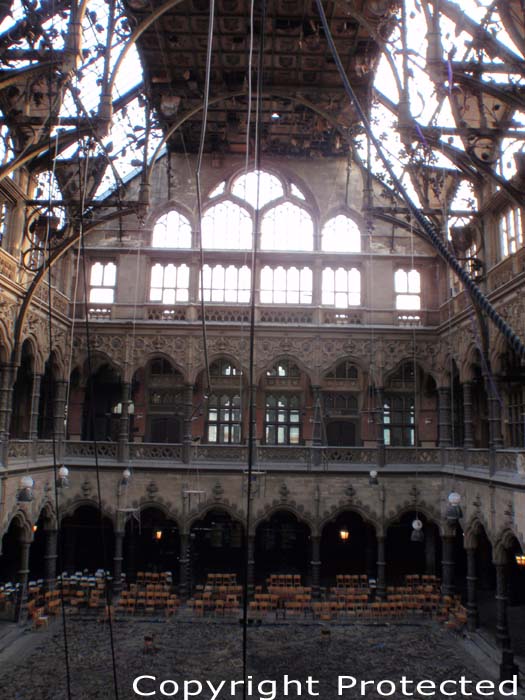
point(207, 650)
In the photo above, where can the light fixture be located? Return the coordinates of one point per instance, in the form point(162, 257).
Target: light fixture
point(35, 528)
point(63, 477)
point(417, 534)
point(25, 494)
point(372, 478)
point(126, 476)
point(276, 116)
point(344, 535)
point(454, 512)
point(158, 535)
point(520, 559)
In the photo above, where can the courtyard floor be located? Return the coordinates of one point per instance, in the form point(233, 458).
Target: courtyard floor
point(33, 667)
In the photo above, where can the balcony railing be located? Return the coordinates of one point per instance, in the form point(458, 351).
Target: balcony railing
point(265, 314)
point(506, 464)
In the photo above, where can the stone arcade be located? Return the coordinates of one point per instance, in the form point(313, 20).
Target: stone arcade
point(138, 263)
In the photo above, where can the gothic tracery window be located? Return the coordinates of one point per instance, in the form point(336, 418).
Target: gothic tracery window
point(171, 230)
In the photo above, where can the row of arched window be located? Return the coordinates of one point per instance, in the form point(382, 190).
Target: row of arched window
point(285, 222)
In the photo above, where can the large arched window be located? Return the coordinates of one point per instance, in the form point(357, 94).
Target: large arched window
point(341, 235)
point(258, 188)
point(172, 230)
point(227, 226)
point(287, 227)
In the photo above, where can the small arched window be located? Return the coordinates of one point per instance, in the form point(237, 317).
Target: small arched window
point(341, 235)
point(172, 230)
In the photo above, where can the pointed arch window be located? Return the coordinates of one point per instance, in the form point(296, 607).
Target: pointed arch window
point(172, 230)
point(287, 227)
point(341, 234)
point(227, 226)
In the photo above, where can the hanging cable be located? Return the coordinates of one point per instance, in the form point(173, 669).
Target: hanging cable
point(251, 367)
point(92, 422)
point(205, 107)
point(428, 228)
point(54, 448)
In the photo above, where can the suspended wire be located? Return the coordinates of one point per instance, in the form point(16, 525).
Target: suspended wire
point(251, 368)
point(428, 228)
point(92, 423)
point(205, 107)
point(54, 445)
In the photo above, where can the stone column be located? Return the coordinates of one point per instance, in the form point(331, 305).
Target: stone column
point(447, 564)
point(445, 419)
point(184, 566)
point(502, 624)
point(251, 564)
point(380, 401)
point(493, 393)
point(23, 575)
point(472, 598)
point(317, 437)
point(117, 562)
point(381, 568)
point(59, 428)
point(7, 380)
point(430, 550)
point(69, 549)
point(123, 433)
point(468, 436)
point(131, 559)
point(315, 565)
point(187, 437)
point(253, 415)
point(35, 404)
point(50, 558)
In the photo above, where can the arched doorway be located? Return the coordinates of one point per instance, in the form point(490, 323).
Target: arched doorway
point(46, 406)
point(282, 546)
point(152, 543)
point(22, 390)
point(87, 540)
point(102, 398)
point(348, 546)
point(406, 556)
point(216, 545)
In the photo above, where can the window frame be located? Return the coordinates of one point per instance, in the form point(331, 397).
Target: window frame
point(408, 292)
point(104, 263)
point(336, 292)
point(282, 428)
point(177, 290)
point(273, 295)
point(225, 419)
